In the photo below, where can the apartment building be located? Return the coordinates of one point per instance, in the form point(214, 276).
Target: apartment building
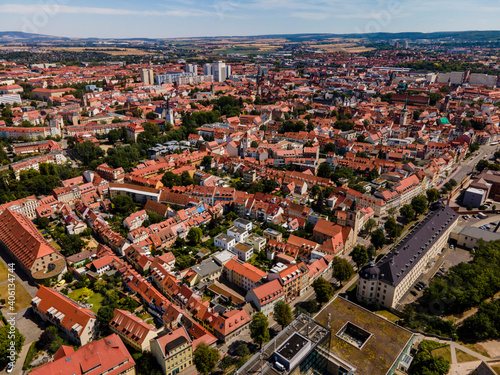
point(133, 330)
point(173, 351)
point(77, 322)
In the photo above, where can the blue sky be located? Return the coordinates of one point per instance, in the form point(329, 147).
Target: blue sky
point(190, 18)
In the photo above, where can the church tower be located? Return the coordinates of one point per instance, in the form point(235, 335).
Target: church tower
point(354, 217)
point(404, 115)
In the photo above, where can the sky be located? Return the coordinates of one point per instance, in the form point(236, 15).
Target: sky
point(198, 18)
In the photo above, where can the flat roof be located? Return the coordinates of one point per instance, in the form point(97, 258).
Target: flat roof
point(478, 233)
point(379, 352)
point(292, 346)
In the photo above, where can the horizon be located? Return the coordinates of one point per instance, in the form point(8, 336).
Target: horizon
point(244, 18)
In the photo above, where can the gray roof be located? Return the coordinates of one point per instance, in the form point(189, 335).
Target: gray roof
point(477, 233)
point(207, 267)
point(411, 249)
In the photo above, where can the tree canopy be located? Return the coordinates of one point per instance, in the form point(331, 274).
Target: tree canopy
point(205, 358)
point(259, 331)
point(323, 289)
point(283, 313)
point(342, 269)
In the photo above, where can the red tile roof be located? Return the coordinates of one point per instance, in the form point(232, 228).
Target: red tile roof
point(108, 355)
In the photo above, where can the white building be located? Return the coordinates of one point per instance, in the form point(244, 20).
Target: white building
point(224, 241)
point(219, 71)
point(244, 251)
point(239, 234)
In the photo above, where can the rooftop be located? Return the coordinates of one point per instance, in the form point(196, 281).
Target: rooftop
point(349, 321)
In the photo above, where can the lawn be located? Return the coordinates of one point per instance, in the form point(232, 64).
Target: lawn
point(23, 299)
point(388, 315)
point(3, 271)
point(464, 357)
point(444, 352)
point(88, 296)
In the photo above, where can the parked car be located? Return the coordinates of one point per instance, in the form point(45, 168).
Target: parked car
point(413, 293)
point(422, 283)
point(10, 368)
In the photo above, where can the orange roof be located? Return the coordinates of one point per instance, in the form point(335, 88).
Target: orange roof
point(106, 356)
point(246, 270)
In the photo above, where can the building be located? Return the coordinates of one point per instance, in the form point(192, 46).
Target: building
point(300, 348)
point(257, 242)
point(136, 192)
point(224, 241)
point(77, 322)
point(207, 69)
point(265, 297)
point(395, 274)
point(272, 235)
point(358, 336)
point(469, 237)
point(102, 357)
point(244, 275)
point(114, 175)
point(240, 235)
point(243, 224)
point(244, 251)
point(173, 350)
point(135, 220)
point(290, 279)
point(219, 71)
point(192, 68)
point(147, 76)
point(23, 242)
point(474, 197)
point(230, 324)
point(207, 271)
point(133, 330)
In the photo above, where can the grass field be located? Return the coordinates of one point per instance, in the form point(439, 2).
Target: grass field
point(444, 352)
point(464, 357)
point(477, 348)
point(115, 51)
point(23, 299)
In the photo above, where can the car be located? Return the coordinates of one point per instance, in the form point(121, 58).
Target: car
point(487, 226)
point(10, 368)
point(439, 274)
point(494, 224)
point(422, 283)
point(413, 293)
point(466, 218)
point(451, 246)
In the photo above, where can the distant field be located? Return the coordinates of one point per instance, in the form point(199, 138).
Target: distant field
point(337, 47)
point(109, 50)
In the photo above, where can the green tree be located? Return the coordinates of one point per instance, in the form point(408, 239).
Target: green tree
point(226, 362)
point(360, 255)
point(419, 204)
point(5, 340)
point(43, 222)
point(146, 364)
point(432, 195)
point(123, 204)
point(259, 331)
point(392, 228)
point(283, 313)
point(342, 269)
point(195, 235)
point(205, 358)
point(104, 315)
point(113, 136)
point(378, 238)
point(254, 144)
point(242, 350)
point(407, 212)
point(71, 243)
point(323, 289)
point(370, 225)
point(425, 363)
point(324, 170)
point(392, 211)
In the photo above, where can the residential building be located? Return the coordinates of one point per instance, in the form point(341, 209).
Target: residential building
point(265, 297)
point(291, 281)
point(257, 242)
point(133, 330)
point(77, 322)
point(468, 237)
point(147, 76)
point(173, 351)
point(237, 233)
point(224, 241)
point(230, 324)
point(243, 224)
point(243, 275)
point(273, 235)
point(107, 356)
point(244, 251)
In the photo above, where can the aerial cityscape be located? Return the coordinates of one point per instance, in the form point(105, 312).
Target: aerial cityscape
point(249, 187)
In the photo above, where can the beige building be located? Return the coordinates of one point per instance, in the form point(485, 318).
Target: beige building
point(147, 76)
point(387, 282)
point(173, 351)
point(133, 330)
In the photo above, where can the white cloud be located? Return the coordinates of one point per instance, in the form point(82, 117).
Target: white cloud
point(310, 15)
point(66, 9)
